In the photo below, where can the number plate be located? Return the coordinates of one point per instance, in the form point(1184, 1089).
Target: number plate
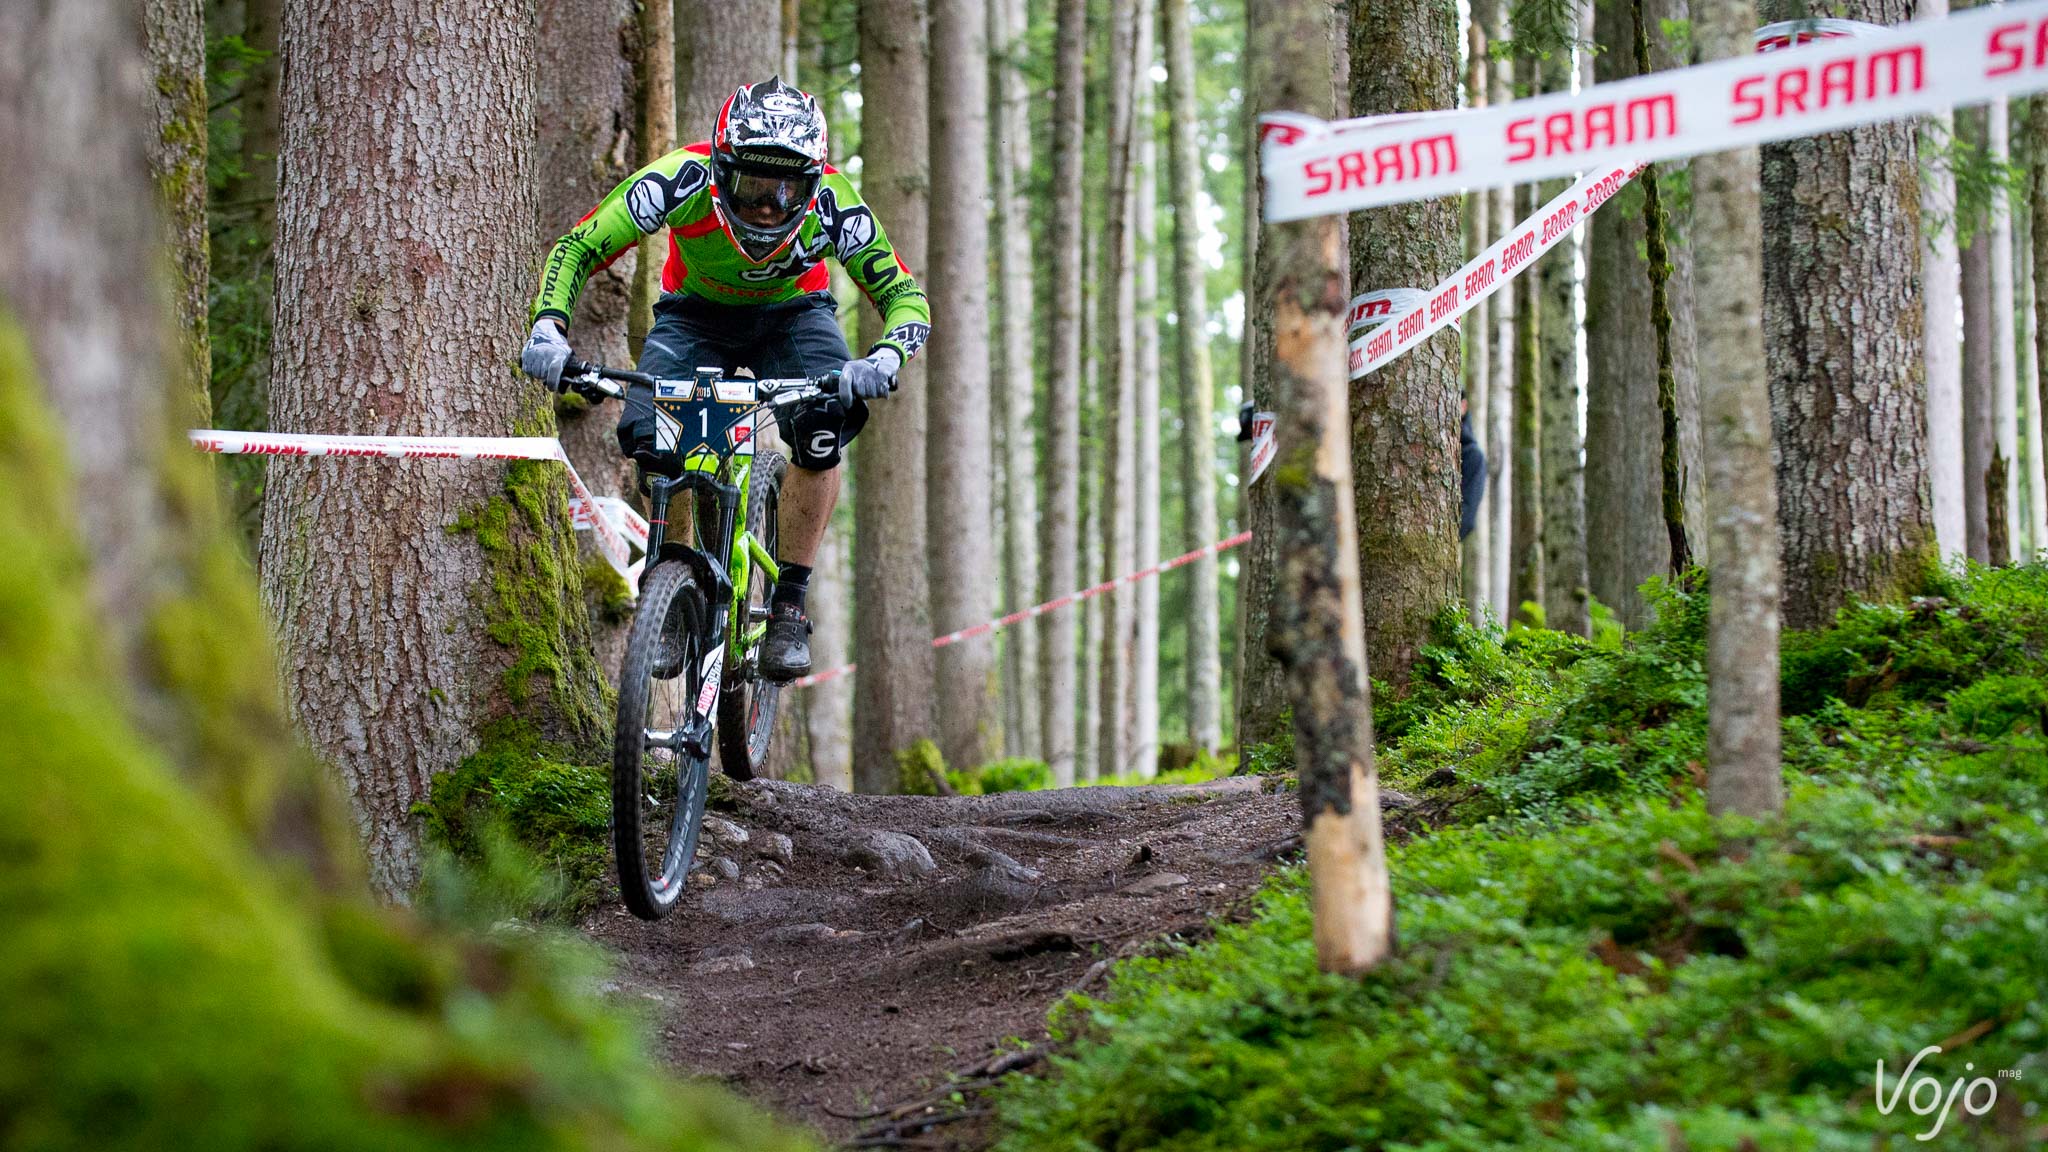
point(689, 419)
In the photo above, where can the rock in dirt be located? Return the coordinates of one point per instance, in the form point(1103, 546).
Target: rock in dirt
point(777, 847)
point(725, 834)
point(799, 934)
point(726, 867)
point(1154, 884)
point(720, 965)
point(892, 854)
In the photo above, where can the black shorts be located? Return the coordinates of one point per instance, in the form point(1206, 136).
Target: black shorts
point(794, 338)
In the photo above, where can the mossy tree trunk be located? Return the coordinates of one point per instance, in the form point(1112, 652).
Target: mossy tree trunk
point(1196, 397)
point(1743, 773)
point(175, 33)
point(1013, 385)
point(892, 703)
point(165, 579)
point(1564, 493)
point(587, 118)
point(1842, 317)
point(1404, 417)
point(1525, 579)
point(1318, 635)
point(423, 607)
point(1627, 541)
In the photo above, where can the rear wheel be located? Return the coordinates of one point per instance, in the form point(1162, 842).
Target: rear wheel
point(746, 712)
point(658, 787)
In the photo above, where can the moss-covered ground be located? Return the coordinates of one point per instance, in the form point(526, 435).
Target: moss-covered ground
point(166, 986)
point(1588, 960)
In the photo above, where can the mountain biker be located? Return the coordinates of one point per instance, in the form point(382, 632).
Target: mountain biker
point(751, 214)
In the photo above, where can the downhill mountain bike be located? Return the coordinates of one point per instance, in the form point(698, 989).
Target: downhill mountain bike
point(690, 680)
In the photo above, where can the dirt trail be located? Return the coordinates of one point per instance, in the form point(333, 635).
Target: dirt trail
point(855, 950)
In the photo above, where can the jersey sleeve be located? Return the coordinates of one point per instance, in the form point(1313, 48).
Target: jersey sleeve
point(639, 206)
point(862, 247)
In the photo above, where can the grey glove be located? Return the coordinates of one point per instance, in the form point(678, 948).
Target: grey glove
point(546, 351)
point(874, 377)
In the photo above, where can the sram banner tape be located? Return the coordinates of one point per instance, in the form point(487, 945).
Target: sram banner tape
point(613, 523)
point(1805, 89)
point(1505, 259)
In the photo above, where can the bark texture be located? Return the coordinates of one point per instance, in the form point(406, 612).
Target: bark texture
point(1404, 417)
point(1196, 399)
point(1476, 554)
point(1061, 554)
point(1498, 435)
point(1014, 382)
point(1144, 758)
point(1525, 581)
point(828, 707)
point(1941, 288)
point(892, 703)
point(1116, 735)
point(185, 637)
point(2004, 365)
point(2037, 237)
point(1319, 637)
point(722, 44)
point(1980, 370)
point(959, 449)
point(654, 75)
point(1842, 321)
point(1743, 772)
point(1627, 541)
point(1261, 682)
point(586, 118)
point(393, 318)
point(1564, 499)
point(175, 34)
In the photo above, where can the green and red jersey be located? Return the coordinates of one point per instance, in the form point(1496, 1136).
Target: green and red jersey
point(703, 260)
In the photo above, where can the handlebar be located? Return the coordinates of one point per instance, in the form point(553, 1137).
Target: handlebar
point(595, 382)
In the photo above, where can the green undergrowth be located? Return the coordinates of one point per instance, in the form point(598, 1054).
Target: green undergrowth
point(1588, 960)
point(519, 790)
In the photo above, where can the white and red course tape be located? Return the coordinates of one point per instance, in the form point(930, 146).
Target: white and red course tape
point(1314, 168)
point(1053, 605)
point(615, 522)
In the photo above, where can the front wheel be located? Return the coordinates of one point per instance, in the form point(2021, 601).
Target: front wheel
point(746, 712)
point(658, 785)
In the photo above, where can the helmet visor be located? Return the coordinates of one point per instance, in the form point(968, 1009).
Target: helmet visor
point(766, 201)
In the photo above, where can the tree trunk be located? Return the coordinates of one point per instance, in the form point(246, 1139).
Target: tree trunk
point(166, 578)
point(1117, 494)
point(828, 707)
point(2037, 235)
point(1980, 372)
point(1261, 682)
point(1061, 553)
point(2030, 388)
point(397, 664)
point(1743, 773)
point(1476, 558)
point(1319, 638)
point(892, 701)
point(1014, 385)
point(1404, 417)
point(1626, 538)
point(1564, 506)
point(2004, 368)
point(1525, 584)
point(587, 117)
point(959, 451)
point(1842, 312)
point(1941, 288)
point(654, 76)
point(722, 44)
point(1197, 399)
point(175, 34)
point(257, 184)
point(1499, 434)
point(1145, 217)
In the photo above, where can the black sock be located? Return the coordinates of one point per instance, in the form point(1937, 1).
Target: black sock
point(791, 585)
